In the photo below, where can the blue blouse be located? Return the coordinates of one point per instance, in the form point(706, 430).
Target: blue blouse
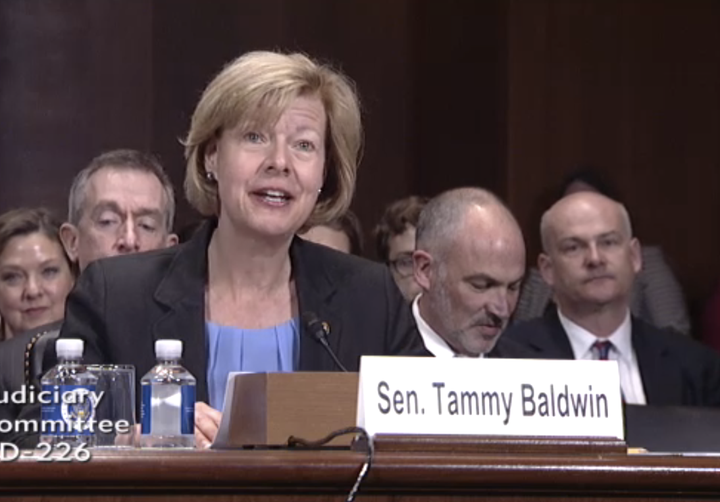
point(266, 350)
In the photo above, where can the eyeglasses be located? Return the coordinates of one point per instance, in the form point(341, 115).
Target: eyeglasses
point(402, 265)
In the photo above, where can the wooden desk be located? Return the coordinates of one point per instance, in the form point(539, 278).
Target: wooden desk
point(255, 475)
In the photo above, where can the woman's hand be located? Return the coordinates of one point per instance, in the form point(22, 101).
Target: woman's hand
point(130, 438)
point(207, 421)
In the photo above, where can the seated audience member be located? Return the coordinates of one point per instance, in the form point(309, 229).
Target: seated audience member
point(35, 273)
point(272, 146)
point(657, 297)
point(35, 278)
point(395, 241)
point(343, 234)
point(469, 263)
point(590, 259)
point(113, 208)
point(122, 202)
point(711, 321)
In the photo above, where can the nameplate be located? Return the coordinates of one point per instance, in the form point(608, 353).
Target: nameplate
point(508, 397)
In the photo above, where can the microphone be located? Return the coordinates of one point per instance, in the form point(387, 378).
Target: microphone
point(319, 331)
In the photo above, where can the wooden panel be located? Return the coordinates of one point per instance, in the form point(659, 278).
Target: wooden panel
point(75, 80)
point(460, 92)
point(296, 475)
point(633, 87)
point(269, 408)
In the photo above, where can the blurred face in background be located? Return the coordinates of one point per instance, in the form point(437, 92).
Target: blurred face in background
point(35, 279)
point(400, 259)
point(330, 237)
point(124, 211)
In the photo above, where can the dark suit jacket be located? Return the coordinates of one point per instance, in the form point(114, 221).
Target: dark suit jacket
point(12, 360)
point(12, 355)
point(12, 368)
point(121, 305)
point(675, 370)
point(505, 348)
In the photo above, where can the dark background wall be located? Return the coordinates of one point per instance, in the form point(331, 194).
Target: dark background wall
point(506, 94)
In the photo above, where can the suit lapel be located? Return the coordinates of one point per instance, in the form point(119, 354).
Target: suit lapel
point(315, 291)
point(551, 340)
point(181, 295)
point(658, 378)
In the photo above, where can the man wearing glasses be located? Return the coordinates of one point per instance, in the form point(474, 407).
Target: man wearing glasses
point(395, 241)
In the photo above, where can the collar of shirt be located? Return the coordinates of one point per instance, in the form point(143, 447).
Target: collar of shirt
point(582, 340)
point(433, 342)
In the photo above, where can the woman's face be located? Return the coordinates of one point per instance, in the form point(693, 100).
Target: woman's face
point(35, 278)
point(269, 180)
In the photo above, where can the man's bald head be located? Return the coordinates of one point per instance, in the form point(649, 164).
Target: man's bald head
point(581, 204)
point(469, 262)
point(590, 258)
point(447, 216)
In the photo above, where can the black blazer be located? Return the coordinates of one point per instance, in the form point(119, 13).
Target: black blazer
point(505, 348)
point(13, 355)
point(121, 305)
point(12, 369)
point(675, 370)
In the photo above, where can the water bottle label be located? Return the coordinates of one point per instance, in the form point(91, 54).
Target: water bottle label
point(146, 408)
point(72, 413)
point(187, 416)
point(167, 409)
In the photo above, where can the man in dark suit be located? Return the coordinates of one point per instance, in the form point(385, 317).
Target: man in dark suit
point(123, 202)
point(113, 205)
point(469, 261)
point(590, 260)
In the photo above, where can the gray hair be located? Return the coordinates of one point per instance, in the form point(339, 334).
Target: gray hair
point(132, 160)
point(442, 217)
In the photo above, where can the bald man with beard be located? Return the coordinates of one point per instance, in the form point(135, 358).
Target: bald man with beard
point(590, 259)
point(469, 261)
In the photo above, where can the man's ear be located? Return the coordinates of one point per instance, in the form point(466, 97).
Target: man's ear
point(171, 240)
point(69, 236)
point(422, 268)
point(545, 266)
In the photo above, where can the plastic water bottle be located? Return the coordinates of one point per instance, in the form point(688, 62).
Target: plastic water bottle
point(168, 400)
point(69, 416)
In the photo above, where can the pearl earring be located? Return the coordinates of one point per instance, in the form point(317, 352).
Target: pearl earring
point(210, 176)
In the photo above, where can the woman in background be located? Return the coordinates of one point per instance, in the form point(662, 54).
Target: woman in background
point(35, 273)
point(35, 278)
point(342, 234)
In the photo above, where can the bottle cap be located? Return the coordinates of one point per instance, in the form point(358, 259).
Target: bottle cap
point(168, 349)
point(69, 348)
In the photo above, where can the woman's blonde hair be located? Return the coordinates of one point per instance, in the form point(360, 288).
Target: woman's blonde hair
point(253, 91)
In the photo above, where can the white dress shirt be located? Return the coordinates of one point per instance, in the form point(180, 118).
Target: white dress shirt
point(582, 342)
point(433, 342)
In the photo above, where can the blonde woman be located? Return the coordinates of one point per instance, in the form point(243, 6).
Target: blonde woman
point(272, 149)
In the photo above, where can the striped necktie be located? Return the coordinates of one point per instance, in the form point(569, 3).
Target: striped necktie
point(602, 349)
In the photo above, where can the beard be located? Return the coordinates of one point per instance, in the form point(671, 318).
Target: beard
point(474, 336)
